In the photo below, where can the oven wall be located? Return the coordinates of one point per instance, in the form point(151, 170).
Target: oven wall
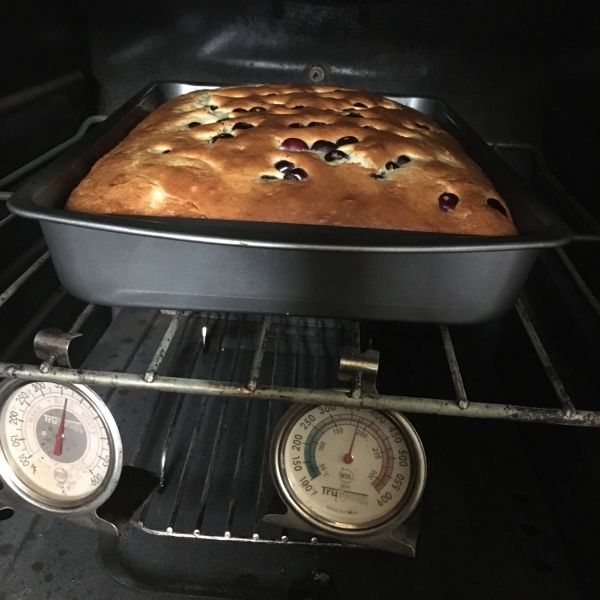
point(494, 62)
point(46, 89)
point(572, 127)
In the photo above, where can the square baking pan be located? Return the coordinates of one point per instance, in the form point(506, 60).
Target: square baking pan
point(200, 264)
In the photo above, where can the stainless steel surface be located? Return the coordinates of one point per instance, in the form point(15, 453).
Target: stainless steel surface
point(62, 349)
point(52, 346)
point(360, 368)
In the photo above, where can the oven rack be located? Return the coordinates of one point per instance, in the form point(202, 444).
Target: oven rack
point(354, 396)
point(212, 452)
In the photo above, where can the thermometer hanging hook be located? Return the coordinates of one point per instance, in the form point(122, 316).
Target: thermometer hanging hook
point(52, 346)
point(361, 368)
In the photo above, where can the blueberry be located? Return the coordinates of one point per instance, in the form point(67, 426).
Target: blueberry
point(295, 125)
point(402, 160)
point(348, 139)
point(448, 201)
point(296, 174)
point(315, 123)
point(257, 109)
point(335, 155)
point(323, 146)
point(284, 165)
point(497, 205)
point(243, 125)
point(294, 145)
point(360, 105)
point(194, 124)
point(213, 107)
point(239, 110)
point(391, 165)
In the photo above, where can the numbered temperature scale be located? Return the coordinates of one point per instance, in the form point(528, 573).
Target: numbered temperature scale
point(354, 475)
point(60, 449)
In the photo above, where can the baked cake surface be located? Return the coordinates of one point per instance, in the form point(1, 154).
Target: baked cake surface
point(295, 154)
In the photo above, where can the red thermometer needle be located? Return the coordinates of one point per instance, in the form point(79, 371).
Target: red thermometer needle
point(348, 458)
point(58, 444)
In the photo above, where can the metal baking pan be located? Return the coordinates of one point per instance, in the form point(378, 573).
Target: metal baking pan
point(199, 264)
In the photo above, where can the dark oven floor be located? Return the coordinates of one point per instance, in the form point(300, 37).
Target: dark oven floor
point(489, 526)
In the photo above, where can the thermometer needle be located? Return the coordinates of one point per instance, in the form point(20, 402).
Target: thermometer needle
point(58, 444)
point(348, 458)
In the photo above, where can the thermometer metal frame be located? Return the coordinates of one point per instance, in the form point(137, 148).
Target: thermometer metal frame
point(384, 526)
point(86, 507)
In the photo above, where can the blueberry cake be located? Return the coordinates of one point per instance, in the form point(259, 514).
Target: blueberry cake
point(295, 154)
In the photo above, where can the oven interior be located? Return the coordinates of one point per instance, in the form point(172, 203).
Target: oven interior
point(510, 507)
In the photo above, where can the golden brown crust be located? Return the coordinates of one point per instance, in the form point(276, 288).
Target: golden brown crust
point(164, 167)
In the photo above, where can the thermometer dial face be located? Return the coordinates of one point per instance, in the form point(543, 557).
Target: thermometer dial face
point(350, 468)
point(60, 443)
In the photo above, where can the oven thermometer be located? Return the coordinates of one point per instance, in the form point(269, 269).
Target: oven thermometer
point(60, 447)
point(351, 474)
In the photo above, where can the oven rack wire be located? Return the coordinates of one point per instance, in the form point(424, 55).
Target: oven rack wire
point(353, 396)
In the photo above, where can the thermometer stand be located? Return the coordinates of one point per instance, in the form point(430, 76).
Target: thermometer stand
point(399, 539)
point(133, 488)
